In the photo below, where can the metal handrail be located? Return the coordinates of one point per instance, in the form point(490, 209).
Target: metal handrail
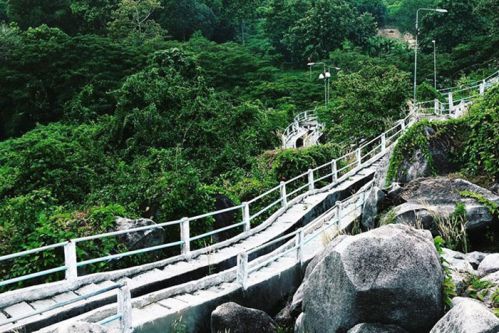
point(124, 307)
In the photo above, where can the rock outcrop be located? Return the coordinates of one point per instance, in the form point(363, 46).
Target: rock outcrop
point(417, 164)
point(467, 316)
point(389, 275)
point(428, 199)
point(231, 317)
point(140, 239)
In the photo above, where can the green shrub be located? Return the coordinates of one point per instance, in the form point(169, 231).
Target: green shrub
point(448, 287)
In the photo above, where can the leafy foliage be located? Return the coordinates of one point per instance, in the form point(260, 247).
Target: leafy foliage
point(449, 288)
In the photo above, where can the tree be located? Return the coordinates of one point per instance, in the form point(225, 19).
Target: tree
point(183, 18)
point(133, 19)
point(462, 24)
point(168, 104)
point(366, 102)
point(93, 14)
point(3, 10)
point(325, 26)
point(280, 16)
point(32, 13)
point(42, 69)
point(375, 7)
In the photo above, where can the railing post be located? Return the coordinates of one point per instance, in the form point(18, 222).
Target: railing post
point(311, 185)
point(402, 125)
point(284, 196)
point(242, 269)
point(185, 237)
point(70, 261)
point(358, 155)
point(383, 142)
point(451, 102)
point(482, 88)
point(437, 106)
point(125, 308)
point(299, 242)
point(340, 211)
point(246, 216)
point(334, 170)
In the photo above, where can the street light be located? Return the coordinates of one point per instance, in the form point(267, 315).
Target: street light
point(325, 75)
point(434, 64)
point(438, 10)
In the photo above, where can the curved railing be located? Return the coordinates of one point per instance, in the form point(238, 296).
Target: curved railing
point(300, 127)
point(457, 99)
point(273, 200)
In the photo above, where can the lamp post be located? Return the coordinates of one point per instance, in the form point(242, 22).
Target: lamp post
point(434, 64)
point(438, 10)
point(326, 76)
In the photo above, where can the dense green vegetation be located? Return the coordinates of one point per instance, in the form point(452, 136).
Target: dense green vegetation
point(474, 140)
point(151, 107)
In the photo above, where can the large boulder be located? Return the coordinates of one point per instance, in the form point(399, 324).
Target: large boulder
point(426, 200)
point(490, 264)
point(417, 164)
point(389, 275)
point(139, 239)
point(376, 328)
point(231, 317)
point(467, 316)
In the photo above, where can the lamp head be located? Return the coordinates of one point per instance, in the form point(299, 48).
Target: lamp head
point(311, 64)
point(321, 77)
point(328, 75)
point(441, 10)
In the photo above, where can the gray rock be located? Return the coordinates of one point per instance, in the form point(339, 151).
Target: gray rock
point(231, 317)
point(390, 275)
point(82, 327)
point(287, 316)
point(490, 264)
point(140, 239)
point(442, 190)
point(420, 216)
point(475, 258)
point(467, 316)
point(296, 303)
point(376, 328)
point(416, 165)
point(371, 207)
point(495, 188)
point(299, 325)
point(426, 200)
point(460, 268)
point(494, 278)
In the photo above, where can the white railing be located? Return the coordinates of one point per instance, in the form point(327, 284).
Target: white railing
point(123, 313)
point(298, 239)
point(275, 199)
point(300, 126)
point(457, 99)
